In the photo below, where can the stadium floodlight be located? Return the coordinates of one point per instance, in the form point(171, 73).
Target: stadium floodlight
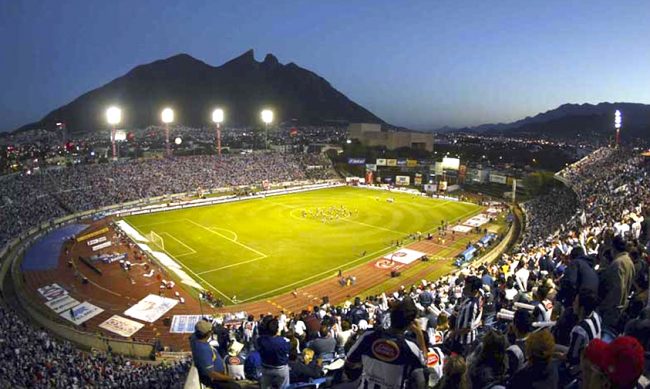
point(113, 117)
point(178, 140)
point(267, 118)
point(618, 121)
point(167, 117)
point(217, 118)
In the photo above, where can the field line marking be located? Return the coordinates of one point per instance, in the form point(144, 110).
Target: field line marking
point(225, 237)
point(321, 273)
point(234, 264)
point(225, 229)
point(186, 246)
point(158, 223)
point(190, 270)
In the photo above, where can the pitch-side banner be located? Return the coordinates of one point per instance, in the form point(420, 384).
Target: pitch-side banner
point(402, 180)
point(121, 326)
point(52, 291)
point(371, 166)
point(62, 303)
point(356, 161)
point(411, 163)
point(404, 256)
point(418, 179)
point(92, 234)
point(151, 308)
point(381, 162)
point(81, 313)
point(184, 324)
point(498, 178)
point(391, 162)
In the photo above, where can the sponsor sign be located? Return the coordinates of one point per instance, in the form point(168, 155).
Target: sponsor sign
point(498, 178)
point(121, 326)
point(62, 303)
point(418, 179)
point(442, 186)
point(402, 180)
point(381, 161)
point(102, 245)
point(461, 228)
point(92, 234)
point(429, 188)
point(356, 161)
point(411, 162)
point(52, 292)
point(391, 162)
point(450, 163)
point(93, 242)
point(401, 162)
point(371, 166)
point(184, 324)
point(438, 168)
point(81, 313)
point(477, 221)
point(151, 308)
point(404, 256)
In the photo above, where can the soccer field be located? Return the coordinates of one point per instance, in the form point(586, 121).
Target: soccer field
point(263, 247)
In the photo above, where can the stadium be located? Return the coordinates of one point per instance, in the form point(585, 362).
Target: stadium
point(245, 224)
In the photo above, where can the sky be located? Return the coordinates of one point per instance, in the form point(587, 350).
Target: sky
point(418, 64)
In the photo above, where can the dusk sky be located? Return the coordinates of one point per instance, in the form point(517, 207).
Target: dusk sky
point(420, 64)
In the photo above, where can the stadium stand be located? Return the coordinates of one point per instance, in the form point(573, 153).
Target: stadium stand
point(583, 264)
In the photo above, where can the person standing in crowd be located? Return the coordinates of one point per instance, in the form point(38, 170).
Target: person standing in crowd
point(541, 372)
point(454, 374)
point(208, 362)
point(274, 351)
point(589, 326)
point(325, 344)
point(490, 366)
point(543, 306)
point(579, 275)
point(388, 358)
point(516, 352)
point(615, 285)
point(469, 316)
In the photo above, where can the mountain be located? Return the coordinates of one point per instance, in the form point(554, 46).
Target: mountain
point(241, 86)
point(569, 120)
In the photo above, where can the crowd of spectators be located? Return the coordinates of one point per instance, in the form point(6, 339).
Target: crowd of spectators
point(32, 358)
point(26, 200)
point(566, 309)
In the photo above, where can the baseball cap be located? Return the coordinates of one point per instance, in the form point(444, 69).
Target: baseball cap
point(622, 360)
point(202, 327)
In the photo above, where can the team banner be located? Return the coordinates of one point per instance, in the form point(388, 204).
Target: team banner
point(121, 326)
point(477, 221)
point(404, 256)
point(381, 161)
point(418, 178)
point(93, 242)
point(102, 245)
point(411, 162)
point(356, 161)
point(402, 180)
point(151, 308)
point(81, 313)
point(391, 162)
point(52, 292)
point(184, 324)
point(371, 166)
point(92, 234)
point(62, 303)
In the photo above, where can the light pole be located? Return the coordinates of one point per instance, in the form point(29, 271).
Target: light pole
point(167, 117)
point(618, 121)
point(217, 118)
point(113, 117)
point(267, 117)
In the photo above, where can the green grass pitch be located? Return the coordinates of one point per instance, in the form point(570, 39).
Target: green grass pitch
point(263, 247)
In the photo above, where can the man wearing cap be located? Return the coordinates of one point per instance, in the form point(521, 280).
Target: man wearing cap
point(207, 360)
point(618, 364)
point(388, 358)
point(616, 283)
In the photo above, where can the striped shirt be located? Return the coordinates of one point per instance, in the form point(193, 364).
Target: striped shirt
point(582, 333)
point(516, 356)
point(543, 310)
point(469, 317)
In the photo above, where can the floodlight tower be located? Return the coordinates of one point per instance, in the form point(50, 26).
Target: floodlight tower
point(167, 117)
point(113, 117)
point(217, 118)
point(618, 121)
point(267, 118)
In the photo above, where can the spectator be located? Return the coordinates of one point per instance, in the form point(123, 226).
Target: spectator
point(323, 345)
point(469, 316)
point(520, 328)
point(454, 374)
point(208, 362)
point(616, 284)
point(305, 369)
point(540, 371)
point(274, 351)
point(490, 366)
point(617, 365)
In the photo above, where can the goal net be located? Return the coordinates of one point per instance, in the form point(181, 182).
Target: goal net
point(157, 240)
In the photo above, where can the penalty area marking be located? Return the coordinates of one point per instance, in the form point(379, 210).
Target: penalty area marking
point(190, 270)
point(185, 245)
point(233, 264)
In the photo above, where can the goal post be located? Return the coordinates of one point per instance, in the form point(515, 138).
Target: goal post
point(157, 240)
